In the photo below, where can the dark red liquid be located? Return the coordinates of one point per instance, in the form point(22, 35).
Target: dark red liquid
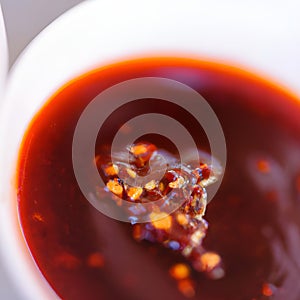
point(254, 218)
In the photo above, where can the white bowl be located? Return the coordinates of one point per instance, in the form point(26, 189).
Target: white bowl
point(261, 36)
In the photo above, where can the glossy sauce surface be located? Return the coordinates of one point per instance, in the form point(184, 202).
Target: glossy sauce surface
point(253, 220)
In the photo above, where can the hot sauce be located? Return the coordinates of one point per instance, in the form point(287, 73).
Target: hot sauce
point(253, 219)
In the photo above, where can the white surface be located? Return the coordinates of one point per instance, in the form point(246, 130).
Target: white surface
point(260, 35)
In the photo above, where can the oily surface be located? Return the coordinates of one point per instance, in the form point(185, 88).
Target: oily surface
point(253, 219)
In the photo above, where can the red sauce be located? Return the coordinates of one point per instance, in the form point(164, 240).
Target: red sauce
point(253, 220)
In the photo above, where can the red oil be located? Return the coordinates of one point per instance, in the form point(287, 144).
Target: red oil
point(253, 220)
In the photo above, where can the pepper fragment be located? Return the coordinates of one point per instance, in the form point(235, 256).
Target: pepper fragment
point(115, 186)
point(185, 228)
point(180, 271)
point(161, 220)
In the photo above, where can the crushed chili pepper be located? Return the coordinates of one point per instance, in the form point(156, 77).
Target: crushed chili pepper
point(185, 228)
